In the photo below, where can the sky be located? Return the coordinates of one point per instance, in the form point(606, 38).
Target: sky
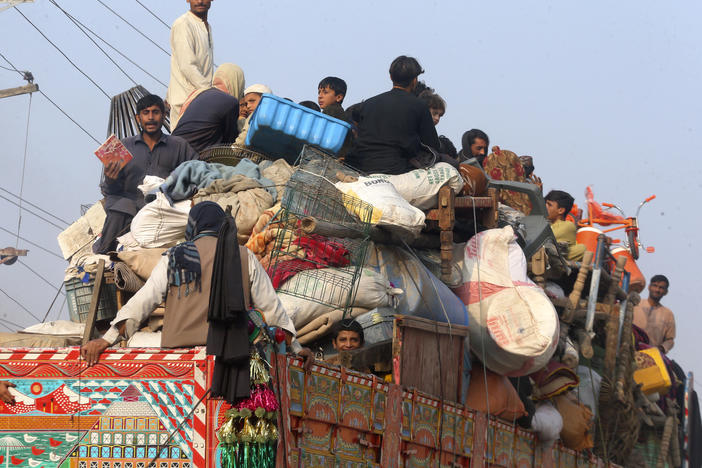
point(600, 93)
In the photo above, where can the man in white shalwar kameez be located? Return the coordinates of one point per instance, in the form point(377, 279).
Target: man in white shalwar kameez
point(192, 56)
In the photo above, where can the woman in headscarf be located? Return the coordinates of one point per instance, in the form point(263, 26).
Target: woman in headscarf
point(209, 116)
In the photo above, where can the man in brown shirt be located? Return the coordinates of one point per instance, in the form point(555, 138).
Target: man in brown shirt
point(655, 319)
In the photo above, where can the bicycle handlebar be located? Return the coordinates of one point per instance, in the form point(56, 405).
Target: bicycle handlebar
point(649, 198)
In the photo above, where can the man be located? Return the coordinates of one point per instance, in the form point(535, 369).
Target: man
point(558, 205)
point(191, 56)
point(475, 145)
point(394, 126)
point(184, 278)
point(347, 335)
point(655, 319)
point(209, 116)
point(154, 153)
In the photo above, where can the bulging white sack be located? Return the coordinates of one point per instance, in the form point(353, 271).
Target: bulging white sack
point(389, 208)
point(421, 187)
point(513, 325)
point(374, 290)
point(158, 224)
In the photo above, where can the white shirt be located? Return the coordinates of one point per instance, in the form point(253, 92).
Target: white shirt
point(154, 292)
point(192, 59)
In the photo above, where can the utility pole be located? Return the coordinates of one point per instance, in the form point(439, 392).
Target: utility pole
point(5, 4)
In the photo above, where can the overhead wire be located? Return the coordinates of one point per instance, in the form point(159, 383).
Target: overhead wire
point(67, 223)
point(24, 167)
point(153, 14)
point(39, 276)
point(33, 213)
point(124, 56)
point(53, 2)
point(53, 301)
point(134, 27)
point(25, 76)
point(19, 304)
point(32, 243)
point(63, 53)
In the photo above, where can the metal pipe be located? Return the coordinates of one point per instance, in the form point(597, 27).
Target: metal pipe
point(594, 284)
point(622, 306)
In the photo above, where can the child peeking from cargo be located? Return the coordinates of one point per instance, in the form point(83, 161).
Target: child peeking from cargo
point(330, 94)
point(252, 96)
point(558, 205)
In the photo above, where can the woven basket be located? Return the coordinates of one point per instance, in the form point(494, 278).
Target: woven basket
point(231, 155)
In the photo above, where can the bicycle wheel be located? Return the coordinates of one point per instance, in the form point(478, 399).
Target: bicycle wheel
point(633, 243)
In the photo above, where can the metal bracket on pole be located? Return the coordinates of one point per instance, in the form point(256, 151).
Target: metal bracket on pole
point(5, 4)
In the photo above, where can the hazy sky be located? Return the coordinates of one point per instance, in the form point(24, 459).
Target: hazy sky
point(600, 93)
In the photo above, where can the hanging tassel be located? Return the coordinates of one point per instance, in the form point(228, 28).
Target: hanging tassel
point(226, 434)
point(247, 432)
point(272, 431)
point(257, 369)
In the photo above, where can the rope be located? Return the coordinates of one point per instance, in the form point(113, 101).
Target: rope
point(52, 303)
point(24, 167)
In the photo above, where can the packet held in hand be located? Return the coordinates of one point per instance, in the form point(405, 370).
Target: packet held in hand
point(113, 150)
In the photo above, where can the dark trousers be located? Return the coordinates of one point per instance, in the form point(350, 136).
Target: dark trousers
point(116, 224)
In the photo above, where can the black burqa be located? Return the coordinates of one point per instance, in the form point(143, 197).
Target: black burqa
point(227, 337)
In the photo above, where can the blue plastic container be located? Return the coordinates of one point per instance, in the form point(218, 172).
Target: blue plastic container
point(281, 128)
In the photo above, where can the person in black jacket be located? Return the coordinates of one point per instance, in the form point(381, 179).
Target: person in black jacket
point(394, 125)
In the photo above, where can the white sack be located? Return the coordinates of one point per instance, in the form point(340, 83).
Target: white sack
point(421, 187)
point(389, 208)
point(374, 290)
point(158, 224)
point(151, 183)
point(512, 322)
point(547, 423)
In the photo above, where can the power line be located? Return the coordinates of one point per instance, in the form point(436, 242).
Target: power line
point(69, 117)
point(16, 325)
point(64, 55)
point(36, 207)
point(32, 243)
point(58, 290)
point(19, 304)
point(153, 14)
point(93, 41)
point(82, 25)
point(38, 275)
point(134, 27)
point(24, 74)
point(33, 213)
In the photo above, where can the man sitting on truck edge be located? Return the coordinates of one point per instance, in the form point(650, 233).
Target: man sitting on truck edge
point(655, 319)
point(183, 278)
point(154, 153)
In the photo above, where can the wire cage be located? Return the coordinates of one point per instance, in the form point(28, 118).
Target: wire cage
point(231, 155)
point(320, 250)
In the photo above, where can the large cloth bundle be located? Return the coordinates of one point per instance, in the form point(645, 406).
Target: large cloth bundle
point(513, 325)
point(160, 224)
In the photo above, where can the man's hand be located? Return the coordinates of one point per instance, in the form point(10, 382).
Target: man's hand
point(91, 351)
point(307, 358)
point(112, 169)
point(5, 394)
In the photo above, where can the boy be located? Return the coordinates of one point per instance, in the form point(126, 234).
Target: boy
point(436, 105)
point(330, 95)
point(558, 205)
point(348, 335)
point(252, 96)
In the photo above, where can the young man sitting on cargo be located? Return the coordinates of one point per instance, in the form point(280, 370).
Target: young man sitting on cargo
point(154, 153)
point(252, 96)
point(475, 147)
point(184, 278)
point(330, 95)
point(394, 125)
point(558, 205)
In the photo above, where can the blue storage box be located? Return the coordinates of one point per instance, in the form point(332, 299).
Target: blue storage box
point(281, 128)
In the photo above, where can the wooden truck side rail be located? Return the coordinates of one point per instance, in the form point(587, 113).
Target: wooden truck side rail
point(137, 404)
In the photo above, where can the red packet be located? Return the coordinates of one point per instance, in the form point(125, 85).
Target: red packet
point(113, 150)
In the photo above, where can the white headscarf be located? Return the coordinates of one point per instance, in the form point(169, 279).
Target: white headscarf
point(258, 88)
